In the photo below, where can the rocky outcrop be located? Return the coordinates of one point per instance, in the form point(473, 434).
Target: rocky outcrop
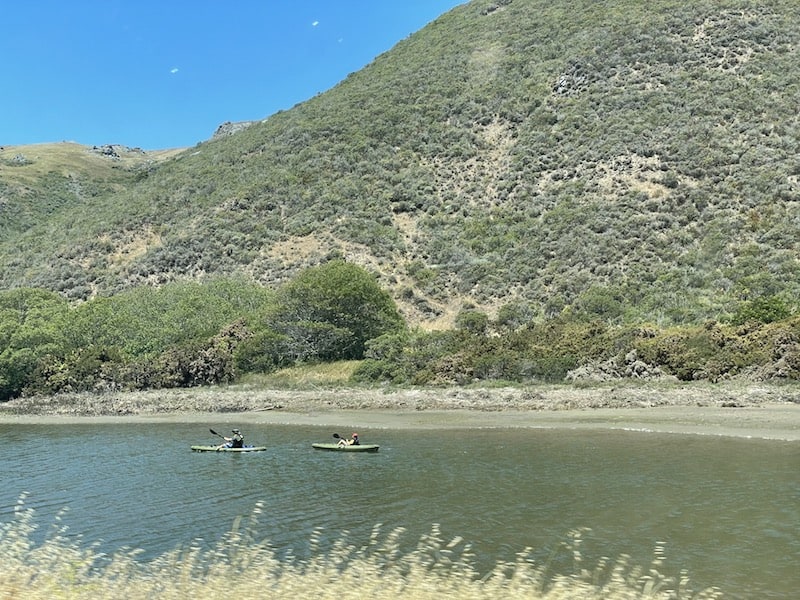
point(495, 6)
point(115, 151)
point(229, 128)
point(631, 368)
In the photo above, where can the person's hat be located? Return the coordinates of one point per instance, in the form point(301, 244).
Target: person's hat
point(235, 430)
point(355, 435)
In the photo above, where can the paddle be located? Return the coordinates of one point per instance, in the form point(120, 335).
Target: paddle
point(337, 436)
point(215, 433)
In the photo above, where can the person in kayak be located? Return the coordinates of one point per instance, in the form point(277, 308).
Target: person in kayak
point(235, 441)
point(353, 441)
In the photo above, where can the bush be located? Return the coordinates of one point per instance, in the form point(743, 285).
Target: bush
point(763, 310)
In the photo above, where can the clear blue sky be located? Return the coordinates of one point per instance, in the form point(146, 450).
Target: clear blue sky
point(163, 74)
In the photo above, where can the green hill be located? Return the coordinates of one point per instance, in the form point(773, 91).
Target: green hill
point(636, 161)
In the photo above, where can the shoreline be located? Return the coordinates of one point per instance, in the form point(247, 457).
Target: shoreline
point(736, 410)
point(769, 422)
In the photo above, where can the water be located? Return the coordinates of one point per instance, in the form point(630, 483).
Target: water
point(727, 510)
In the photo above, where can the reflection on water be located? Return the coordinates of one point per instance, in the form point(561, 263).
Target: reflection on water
point(727, 510)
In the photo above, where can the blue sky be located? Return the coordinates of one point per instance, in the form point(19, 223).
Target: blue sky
point(160, 74)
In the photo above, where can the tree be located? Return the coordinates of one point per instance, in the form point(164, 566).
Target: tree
point(31, 326)
point(329, 312)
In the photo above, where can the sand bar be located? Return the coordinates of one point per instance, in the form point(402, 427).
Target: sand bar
point(752, 411)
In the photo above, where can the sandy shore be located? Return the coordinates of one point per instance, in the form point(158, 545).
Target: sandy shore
point(741, 410)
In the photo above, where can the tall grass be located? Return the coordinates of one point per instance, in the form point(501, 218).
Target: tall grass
point(239, 564)
point(305, 376)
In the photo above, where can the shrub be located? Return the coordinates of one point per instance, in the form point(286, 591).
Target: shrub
point(473, 322)
point(767, 309)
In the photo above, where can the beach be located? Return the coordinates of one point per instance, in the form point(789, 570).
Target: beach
point(740, 410)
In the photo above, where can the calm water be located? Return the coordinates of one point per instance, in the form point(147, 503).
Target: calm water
point(727, 510)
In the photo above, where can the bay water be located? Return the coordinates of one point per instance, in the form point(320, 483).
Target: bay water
point(727, 510)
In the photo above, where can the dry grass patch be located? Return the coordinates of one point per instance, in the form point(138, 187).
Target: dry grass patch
point(305, 376)
point(436, 568)
point(29, 163)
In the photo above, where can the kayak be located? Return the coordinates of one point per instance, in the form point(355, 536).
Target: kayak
point(338, 448)
point(218, 449)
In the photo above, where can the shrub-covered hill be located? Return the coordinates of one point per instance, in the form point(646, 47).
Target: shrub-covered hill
point(630, 160)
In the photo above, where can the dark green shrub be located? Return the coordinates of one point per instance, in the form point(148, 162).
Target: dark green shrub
point(514, 315)
point(763, 310)
point(473, 322)
point(264, 352)
point(83, 369)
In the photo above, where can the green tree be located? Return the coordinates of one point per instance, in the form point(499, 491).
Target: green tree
point(145, 322)
point(329, 312)
point(32, 323)
point(767, 309)
point(263, 352)
point(514, 315)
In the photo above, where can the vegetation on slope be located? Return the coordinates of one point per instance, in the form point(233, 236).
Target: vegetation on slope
point(558, 154)
point(540, 186)
point(229, 329)
point(188, 334)
point(39, 182)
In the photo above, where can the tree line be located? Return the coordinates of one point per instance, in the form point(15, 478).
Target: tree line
point(187, 334)
point(214, 332)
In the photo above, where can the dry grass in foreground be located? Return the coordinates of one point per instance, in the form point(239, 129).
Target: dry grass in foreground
point(58, 568)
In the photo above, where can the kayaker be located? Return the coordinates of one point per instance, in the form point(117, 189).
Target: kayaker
point(235, 441)
point(353, 441)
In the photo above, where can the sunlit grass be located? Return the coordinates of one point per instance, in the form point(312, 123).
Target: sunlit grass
point(240, 564)
point(305, 376)
point(70, 158)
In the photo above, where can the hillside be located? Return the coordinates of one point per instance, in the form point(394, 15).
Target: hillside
point(636, 161)
point(41, 180)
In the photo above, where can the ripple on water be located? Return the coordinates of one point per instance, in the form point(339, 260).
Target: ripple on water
point(726, 509)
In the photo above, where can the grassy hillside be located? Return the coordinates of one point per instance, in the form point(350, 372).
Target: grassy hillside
point(38, 181)
point(635, 161)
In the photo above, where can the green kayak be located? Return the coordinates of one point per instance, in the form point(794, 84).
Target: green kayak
point(218, 449)
point(338, 448)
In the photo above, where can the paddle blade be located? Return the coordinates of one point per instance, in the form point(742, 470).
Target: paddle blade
point(336, 435)
point(214, 432)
